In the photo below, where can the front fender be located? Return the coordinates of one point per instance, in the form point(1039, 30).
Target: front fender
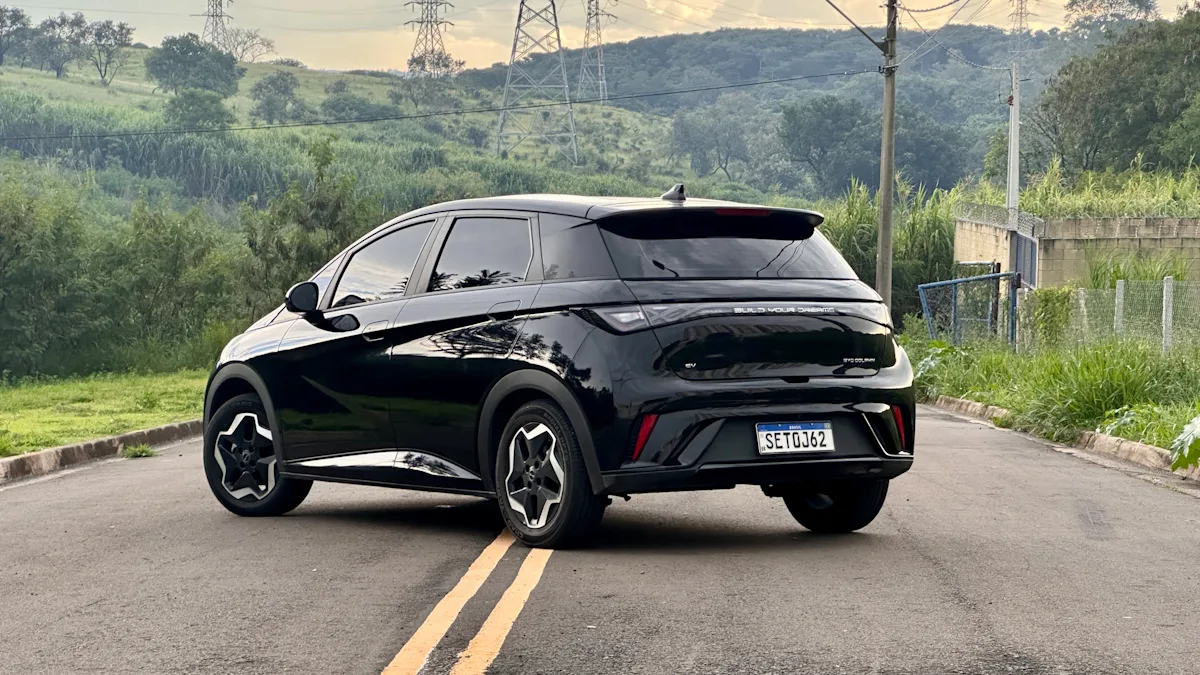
point(243, 372)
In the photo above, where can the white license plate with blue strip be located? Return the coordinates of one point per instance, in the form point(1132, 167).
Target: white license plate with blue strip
point(789, 437)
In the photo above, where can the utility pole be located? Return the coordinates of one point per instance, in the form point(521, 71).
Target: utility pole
point(541, 80)
point(215, 31)
point(887, 160)
point(592, 83)
point(429, 57)
point(1020, 23)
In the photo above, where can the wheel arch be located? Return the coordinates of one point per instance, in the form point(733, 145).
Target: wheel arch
point(236, 379)
point(510, 393)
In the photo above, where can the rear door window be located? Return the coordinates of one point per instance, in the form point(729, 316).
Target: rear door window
point(483, 251)
point(713, 246)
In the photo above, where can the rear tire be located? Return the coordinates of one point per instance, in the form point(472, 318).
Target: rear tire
point(550, 479)
point(241, 464)
point(836, 508)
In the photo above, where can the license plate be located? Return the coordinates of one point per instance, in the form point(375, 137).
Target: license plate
point(794, 437)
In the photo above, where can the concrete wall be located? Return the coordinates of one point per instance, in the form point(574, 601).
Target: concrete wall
point(1063, 243)
point(980, 243)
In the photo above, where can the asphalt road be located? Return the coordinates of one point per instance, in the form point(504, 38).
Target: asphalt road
point(993, 555)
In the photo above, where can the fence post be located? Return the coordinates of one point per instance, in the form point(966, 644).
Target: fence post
point(1014, 285)
point(1119, 310)
point(926, 312)
point(1081, 295)
point(1168, 311)
point(954, 315)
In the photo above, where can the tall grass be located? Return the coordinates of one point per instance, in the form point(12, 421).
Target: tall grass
point(1061, 391)
point(1105, 268)
point(1134, 193)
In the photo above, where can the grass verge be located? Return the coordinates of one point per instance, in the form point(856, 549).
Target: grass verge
point(1122, 388)
point(43, 414)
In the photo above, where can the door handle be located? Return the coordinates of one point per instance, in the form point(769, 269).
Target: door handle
point(502, 311)
point(374, 332)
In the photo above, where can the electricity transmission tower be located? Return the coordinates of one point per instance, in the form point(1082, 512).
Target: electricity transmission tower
point(537, 74)
point(215, 30)
point(592, 84)
point(429, 55)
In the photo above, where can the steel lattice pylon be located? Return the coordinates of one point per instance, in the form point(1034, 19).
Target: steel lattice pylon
point(534, 80)
point(592, 83)
point(429, 56)
point(215, 30)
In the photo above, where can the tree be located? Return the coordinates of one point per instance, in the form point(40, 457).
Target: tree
point(275, 98)
point(248, 45)
point(714, 137)
point(1105, 13)
point(14, 29)
point(302, 229)
point(338, 86)
point(1118, 105)
point(184, 62)
point(105, 45)
point(834, 138)
point(426, 83)
point(197, 109)
point(58, 41)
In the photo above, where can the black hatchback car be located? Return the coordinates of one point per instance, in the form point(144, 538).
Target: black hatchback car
point(554, 351)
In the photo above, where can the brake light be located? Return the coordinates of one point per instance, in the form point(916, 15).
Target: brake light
point(755, 213)
point(899, 416)
point(648, 423)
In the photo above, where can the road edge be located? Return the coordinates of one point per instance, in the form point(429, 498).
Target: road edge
point(42, 462)
point(1149, 456)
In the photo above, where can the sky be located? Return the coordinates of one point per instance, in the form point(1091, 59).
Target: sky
point(372, 34)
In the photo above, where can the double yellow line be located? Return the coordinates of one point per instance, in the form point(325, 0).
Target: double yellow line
point(485, 646)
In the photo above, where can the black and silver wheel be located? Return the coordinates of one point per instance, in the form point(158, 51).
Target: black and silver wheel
point(837, 507)
point(241, 464)
point(541, 481)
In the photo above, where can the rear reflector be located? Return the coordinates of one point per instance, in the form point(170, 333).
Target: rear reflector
point(900, 426)
point(648, 423)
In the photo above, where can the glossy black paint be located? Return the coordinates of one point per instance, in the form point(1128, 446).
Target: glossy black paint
point(414, 390)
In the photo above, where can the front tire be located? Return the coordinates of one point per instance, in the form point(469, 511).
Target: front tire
point(836, 508)
point(241, 464)
point(541, 480)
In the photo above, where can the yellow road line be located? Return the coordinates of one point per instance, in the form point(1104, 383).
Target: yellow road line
point(416, 651)
point(475, 659)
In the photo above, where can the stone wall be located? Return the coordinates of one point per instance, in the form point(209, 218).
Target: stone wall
point(1064, 243)
point(974, 242)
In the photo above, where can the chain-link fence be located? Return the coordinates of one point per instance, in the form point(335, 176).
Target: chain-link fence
point(975, 308)
point(1163, 312)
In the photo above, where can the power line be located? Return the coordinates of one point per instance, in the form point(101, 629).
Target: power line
point(930, 9)
point(592, 81)
point(949, 51)
point(934, 35)
point(441, 113)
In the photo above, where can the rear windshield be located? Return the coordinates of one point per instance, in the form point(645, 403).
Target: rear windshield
point(701, 245)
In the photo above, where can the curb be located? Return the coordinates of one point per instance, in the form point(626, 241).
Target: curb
point(43, 462)
point(1149, 456)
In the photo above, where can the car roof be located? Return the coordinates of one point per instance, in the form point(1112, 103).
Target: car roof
point(591, 207)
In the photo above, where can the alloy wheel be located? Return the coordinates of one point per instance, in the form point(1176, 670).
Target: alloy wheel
point(535, 481)
point(245, 455)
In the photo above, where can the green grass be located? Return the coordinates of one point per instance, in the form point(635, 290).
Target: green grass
point(135, 451)
point(36, 415)
point(1123, 388)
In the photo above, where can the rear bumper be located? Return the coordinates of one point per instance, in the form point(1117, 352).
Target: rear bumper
point(767, 472)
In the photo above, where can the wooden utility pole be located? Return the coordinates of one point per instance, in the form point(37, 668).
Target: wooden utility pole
point(887, 160)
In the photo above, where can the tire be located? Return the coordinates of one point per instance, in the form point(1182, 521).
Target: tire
point(837, 508)
point(238, 437)
point(547, 438)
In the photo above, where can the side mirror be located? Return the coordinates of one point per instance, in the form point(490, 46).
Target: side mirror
point(302, 298)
